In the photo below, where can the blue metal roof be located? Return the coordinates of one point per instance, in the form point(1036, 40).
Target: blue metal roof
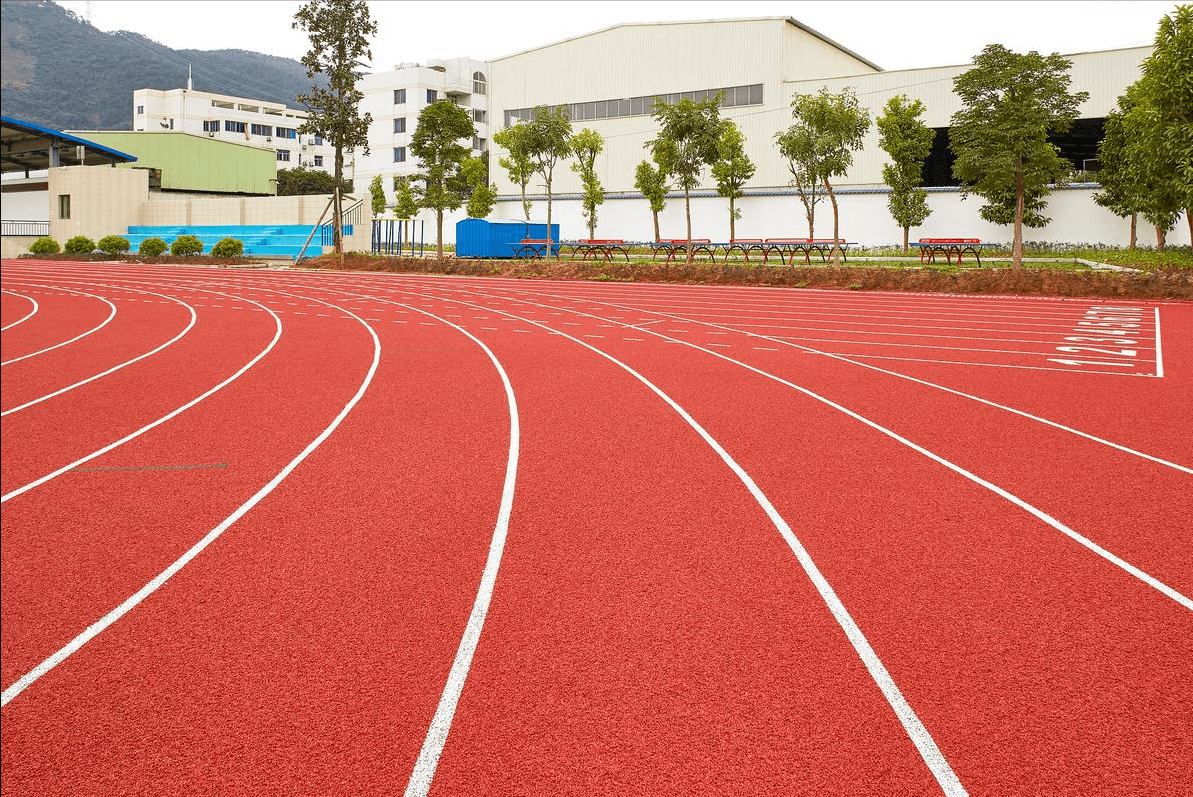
point(25, 147)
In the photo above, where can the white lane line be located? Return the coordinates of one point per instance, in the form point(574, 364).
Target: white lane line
point(1159, 354)
point(103, 324)
point(38, 482)
point(916, 731)
point(25, 317)
point(115, 368)
point(1087, 543)
point(99, 626)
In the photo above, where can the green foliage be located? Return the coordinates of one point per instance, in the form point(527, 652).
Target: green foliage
point(1000, 137)
point(113, 244)
point(152, 247)
point(651, 180)
point(339, 32)
point(827, 130)
point(377, 195)
point(586, 145)
point(732, 170)
point(44, 246)
point(483, 193)
point(405, 202)
point(297, 182)
point(435, 143)
point(908, 141)
point(546, 141)
point(80, 245)
point(688, 140)
point(228, 247)
point(518, 165)
point(185, 245)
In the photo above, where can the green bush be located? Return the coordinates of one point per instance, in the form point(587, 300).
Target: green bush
point(228, 247)
point(113, 244)
point(186, 245)
point(44, 246)
point(152, 247)
point(80, 245)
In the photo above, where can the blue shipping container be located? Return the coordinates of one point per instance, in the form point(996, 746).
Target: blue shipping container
point(499, 238)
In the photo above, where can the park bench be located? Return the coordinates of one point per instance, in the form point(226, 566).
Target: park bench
point(531, 248)
point(931, 247)
point(597, 247)
point(789, 247)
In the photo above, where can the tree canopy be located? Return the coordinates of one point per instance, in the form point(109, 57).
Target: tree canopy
point(546, 140)
point(517, 164)
point(908, 141)
point(295, 182)
point(651, 180)
point(339, 32)
point(586, 145)
point(481, 193)
point(688, 140)
point(732, 170)
point(436, 144)
point(1000, 136)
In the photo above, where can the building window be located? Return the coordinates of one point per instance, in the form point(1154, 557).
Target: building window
point(318, 160)
point(480, 115)
point(283, 154)
point(399, 154)
point(284, 132)
point(262, 130)
point(478, 143)
point(211, 126)
point(432, 95)
point(479, 85)
point(140, 110)
point(400, 124)
point(64, 206)
point(399, 96)
point(233, 127)
point(318, 140)
point(643, 106)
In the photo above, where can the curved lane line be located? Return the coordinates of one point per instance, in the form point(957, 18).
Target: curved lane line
point(994, 488)
point(916, 731)
point(133, 435)
point(844, 358)
point(105, 322)
point(113, 369)
point(25, 317)
point(99, 626)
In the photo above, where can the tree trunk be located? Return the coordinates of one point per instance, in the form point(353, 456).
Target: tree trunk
point(1159, 238)
point(732, 221)
point(439, 233)
point(1133, 219)
point(836, 223)
point(687, 206)
point(337, 219)
point(655, 213)
point(905, 246)
point(1017, 244)
point(547, 253)
point(1189, 218)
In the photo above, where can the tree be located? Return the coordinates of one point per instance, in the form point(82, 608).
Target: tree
point(296, 182)
point(688, 140)
point(827, 130)
point(436, 143)
point(652, 182)
point(377, 192)
point(405, 200)
point(339, 31)
point(1123, 191)
point(1000, 137)
point(482, 193)
point(732, 170)
point(547, 140)
point(908, 141)
point(518, 165)
point(586, 145)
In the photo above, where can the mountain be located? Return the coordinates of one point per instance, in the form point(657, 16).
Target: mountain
point(59, 71)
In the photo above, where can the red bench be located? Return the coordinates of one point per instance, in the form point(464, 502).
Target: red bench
point(597, 247)
point(674, 246)
point(931, 247)
point(805, 246)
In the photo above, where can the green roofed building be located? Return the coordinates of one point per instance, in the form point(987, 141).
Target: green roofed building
point(196, 164)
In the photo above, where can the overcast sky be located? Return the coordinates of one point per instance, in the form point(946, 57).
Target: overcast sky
point(890, 33)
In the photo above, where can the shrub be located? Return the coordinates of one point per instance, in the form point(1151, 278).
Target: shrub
point(152, 247)
point(80, 245)
point(186, 245)
point(44, 246)
point(113, 244)
point(228, 247)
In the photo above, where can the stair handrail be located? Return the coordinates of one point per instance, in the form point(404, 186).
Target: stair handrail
point(301, 252)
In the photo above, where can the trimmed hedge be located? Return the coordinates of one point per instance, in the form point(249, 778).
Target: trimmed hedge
point(113, 245)
point(228, 247)
point(186, 245)
point(152, 247)
point(80, 245)
point(45, 246)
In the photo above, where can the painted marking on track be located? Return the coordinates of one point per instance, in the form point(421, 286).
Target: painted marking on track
point(102, 324)
point(721, 345)
point(149, 467)
point(764, 348)
point(1107, 336)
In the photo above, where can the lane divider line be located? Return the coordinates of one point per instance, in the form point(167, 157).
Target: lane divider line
point(25, 317)
point(103, 324)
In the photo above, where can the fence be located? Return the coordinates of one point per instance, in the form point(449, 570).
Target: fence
point(16, 227)
point(391, 235)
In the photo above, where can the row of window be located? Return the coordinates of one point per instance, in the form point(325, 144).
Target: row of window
point(642, 106)
point(479, 86)
point(478, 115)
point(230, 126)
point(478, 144)
point(284, 155)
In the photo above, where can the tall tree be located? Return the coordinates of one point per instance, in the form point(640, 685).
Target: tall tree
point(482, 194)
point(1000, 137)
point(339, 32)
point(436, 144)
point(1124, 192)
point(732, 170)
point(586, 145)
point(405, 199)
point(651, 180)
point(828, 129)
point(688, 140)
point(377, 192)
point(517, 165)
point(908, 141)
point(547, 141)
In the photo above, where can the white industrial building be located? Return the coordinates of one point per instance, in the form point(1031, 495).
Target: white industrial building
point(257, 123)
point(609, 79)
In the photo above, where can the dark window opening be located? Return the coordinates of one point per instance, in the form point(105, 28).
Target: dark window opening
point(1078, 145)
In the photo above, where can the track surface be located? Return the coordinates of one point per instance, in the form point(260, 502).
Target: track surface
point(272, 532)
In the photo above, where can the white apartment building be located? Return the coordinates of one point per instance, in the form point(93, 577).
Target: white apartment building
point(268, 125)
point(396, 98)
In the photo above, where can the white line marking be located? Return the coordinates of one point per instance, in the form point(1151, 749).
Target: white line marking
point(1159, 354)
point(105, 322)
point(25, 317)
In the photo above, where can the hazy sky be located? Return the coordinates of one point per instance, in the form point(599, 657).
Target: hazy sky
point(890, 33)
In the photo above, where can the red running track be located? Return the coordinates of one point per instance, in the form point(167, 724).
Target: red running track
point(739, 541)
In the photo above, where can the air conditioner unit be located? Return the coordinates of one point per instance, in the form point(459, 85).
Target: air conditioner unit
point(210, 134)
point(269, 138)
point(304, 146)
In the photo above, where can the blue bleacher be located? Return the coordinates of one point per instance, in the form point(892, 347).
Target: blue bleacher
point(261, 240)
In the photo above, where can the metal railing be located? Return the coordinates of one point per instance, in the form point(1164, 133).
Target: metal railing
point(349, 217)
point(21, 227)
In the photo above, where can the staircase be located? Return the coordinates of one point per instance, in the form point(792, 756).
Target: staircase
point(260, 240)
